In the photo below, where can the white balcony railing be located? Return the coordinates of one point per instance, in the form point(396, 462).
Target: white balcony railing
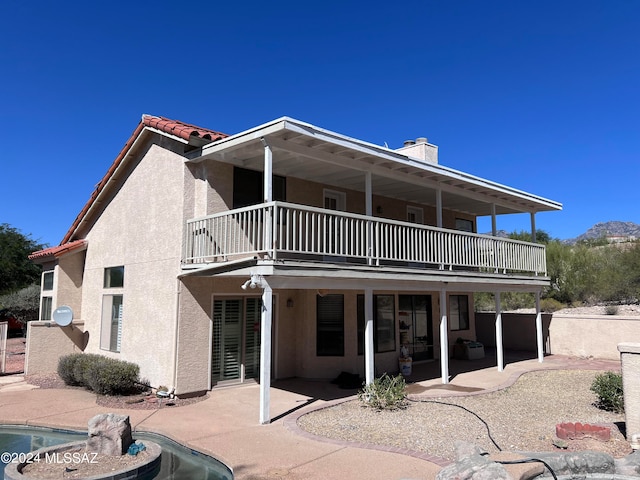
point(278, 229)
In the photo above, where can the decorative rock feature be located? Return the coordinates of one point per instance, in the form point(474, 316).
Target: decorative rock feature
point(572, 431)
point(472, 464)
point(629, 465)
point(109, 434)
point(576, 463)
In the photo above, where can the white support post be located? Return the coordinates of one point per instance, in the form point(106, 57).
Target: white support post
point(533, 227)
point(368, 199)
point(268, 197)
point(494, 224)
point(439, 208)
point(265, 352)
point(369, 366)
point(499, 348)
point(268, 172)
point(444, 338)
point(539, 338)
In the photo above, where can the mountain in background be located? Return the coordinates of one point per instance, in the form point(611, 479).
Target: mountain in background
point(614, 230)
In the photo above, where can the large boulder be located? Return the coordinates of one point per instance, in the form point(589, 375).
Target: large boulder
point(109, 434)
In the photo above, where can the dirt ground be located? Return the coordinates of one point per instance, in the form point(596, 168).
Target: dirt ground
point(14, 362)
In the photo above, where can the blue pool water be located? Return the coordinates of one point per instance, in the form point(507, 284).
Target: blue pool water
point(178, 462)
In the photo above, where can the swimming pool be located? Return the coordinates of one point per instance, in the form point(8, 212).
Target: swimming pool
point(178, 462)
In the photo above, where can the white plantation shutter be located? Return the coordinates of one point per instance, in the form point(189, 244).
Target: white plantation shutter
point(252, 337)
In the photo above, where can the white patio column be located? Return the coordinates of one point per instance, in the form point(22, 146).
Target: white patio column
point(499, 349)
point(268, 171)
point(268, 197)
point(369, 356)
point(539, 338)
point(265, 351)
point(494, 223)
point(439, 208)
point(444, 338)
point(368, 209)
point(533, 227)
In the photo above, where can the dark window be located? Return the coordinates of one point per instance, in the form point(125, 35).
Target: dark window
point(464, 225)
point(47, 303)
point(384, 323)
point(248, 187)
point(47, 281)
point(330, 326)
point(113, 277)
point(459, 312)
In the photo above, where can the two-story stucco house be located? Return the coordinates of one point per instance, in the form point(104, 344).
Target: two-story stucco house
point(283, 251)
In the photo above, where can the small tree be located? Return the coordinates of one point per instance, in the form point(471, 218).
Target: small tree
point(23, 305)
point(16, 270)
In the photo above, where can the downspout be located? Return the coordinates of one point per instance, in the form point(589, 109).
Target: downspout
point(175, 336)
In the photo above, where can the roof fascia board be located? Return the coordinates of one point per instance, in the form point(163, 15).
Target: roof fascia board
point(237, 140)
point(169, 135)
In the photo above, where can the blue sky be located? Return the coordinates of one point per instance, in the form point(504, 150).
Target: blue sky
point(542, 96)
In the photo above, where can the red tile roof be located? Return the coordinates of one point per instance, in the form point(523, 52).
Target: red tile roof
point(181, 129)
point(172, 127)
point(58, 251)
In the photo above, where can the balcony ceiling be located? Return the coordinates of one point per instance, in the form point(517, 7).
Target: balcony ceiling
point(303, 151)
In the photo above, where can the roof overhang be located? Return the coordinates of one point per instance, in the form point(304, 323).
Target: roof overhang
point(55, 253)
point(304, 151)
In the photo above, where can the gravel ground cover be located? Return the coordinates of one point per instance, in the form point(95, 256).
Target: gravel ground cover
point(519, 418)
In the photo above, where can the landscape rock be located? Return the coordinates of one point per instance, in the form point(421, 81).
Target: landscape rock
point(109, 434)
point(629, 465)
point(572, 463)
point(472, 465)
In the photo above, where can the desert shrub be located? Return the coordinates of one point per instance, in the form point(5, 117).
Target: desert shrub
point(608, 387)
point(103, 375)
point(550, 305)
point(611, 310)
point(111, 377)
point(66, 365)
point(385, 393)
point(81, 367)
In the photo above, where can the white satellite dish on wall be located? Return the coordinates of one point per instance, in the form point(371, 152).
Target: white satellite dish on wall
point(63, 315)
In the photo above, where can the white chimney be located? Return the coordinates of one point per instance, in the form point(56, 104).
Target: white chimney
point(420, 149)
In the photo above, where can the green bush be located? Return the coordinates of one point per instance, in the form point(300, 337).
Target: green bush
point(66, 366)
point(385, 393)
point(608, 387)
point(112, 377)
point(103, 375)
point(550, 305)
point(81, 367)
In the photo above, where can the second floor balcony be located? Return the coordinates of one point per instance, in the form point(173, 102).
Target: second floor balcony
point(279, 230)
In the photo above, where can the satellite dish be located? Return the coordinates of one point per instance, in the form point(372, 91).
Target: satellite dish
point(63, 315)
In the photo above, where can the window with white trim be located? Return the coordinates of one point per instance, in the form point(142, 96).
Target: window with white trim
point(112, 303)
point(330, 326)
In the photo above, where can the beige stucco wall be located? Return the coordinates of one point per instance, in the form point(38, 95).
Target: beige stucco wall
point(593, 335)
point(194, 335)
point(69, 274)
point(141, 228)
point(47, 342)
point(630, 359)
